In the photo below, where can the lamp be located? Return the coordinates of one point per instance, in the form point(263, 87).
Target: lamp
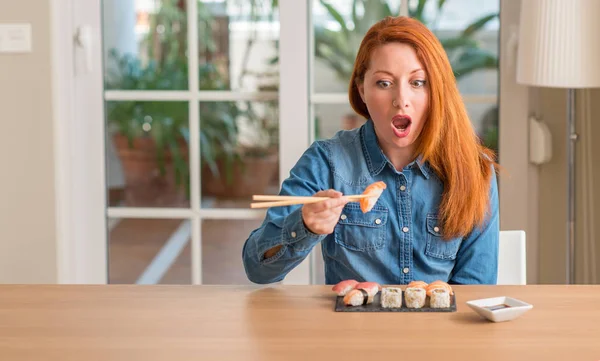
point(559, 48)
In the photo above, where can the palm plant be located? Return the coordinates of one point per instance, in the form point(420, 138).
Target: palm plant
point(337, 48)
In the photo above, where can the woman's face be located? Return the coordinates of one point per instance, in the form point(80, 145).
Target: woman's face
point(396, 93)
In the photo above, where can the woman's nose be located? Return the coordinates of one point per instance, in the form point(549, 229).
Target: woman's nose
point(401, 100)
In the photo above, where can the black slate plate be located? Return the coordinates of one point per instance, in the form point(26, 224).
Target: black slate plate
point(376, 306)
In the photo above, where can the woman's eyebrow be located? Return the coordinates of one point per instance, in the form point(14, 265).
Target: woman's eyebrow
point(383, 71)
point(389, 73)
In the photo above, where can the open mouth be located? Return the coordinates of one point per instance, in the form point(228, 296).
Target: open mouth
point(401, 122)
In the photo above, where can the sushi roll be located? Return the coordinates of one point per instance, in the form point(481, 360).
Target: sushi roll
point(391, 297)
point(440, 298)
point(358, 297)
point(371, 287)
point(415, 297)
point(342, 288)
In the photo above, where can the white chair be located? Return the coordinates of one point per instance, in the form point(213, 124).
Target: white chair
point(512, 262)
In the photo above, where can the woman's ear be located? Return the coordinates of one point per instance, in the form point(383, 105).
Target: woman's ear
point(361, 90)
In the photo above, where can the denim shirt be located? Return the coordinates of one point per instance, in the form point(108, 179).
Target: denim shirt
point(398, 241)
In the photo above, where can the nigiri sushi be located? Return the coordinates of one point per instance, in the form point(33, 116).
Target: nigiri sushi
point(358, 297)
point(371, 287)
point(417, 284)
point(374, 190)
point(439, 284)
point(343, 287)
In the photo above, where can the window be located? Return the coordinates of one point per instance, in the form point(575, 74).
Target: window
point(192, 117)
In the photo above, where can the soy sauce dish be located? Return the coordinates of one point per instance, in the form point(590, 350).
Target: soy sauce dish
point(499, 309)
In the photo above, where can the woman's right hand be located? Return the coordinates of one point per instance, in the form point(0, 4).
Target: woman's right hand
point(321, 217)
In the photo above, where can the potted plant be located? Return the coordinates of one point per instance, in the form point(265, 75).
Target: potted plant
point(255, 164)
point(152, 138)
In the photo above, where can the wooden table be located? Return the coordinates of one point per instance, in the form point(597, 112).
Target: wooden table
point(86, 323)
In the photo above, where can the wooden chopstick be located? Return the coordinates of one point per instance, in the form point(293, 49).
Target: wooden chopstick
point(284, 203)
point(261, 197)
point(283, 198)
point(279, 201)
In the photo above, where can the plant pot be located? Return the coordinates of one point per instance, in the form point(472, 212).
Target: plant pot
point(145, 186)
point(251, 175)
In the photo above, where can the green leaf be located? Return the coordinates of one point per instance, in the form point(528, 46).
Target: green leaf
point(478, 24)
point(473, 60)
point(419, 10)
point(355, 19)
point(458, 42)
point(336, 15)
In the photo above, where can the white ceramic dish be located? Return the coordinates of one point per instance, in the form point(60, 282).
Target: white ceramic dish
point(485, 308)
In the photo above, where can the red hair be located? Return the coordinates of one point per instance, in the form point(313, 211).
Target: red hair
point(448, 140)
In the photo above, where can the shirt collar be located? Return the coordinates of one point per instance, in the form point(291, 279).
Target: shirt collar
point(376, 160)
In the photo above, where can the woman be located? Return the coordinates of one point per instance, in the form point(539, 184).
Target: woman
point(438, 217)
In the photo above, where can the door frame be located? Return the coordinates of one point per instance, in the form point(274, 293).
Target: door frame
point(79, 151)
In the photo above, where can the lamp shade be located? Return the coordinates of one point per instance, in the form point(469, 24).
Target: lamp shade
point(559, 43)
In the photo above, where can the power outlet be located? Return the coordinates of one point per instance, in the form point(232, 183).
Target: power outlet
point(15, 38)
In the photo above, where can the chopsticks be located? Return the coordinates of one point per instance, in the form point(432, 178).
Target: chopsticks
point(278, 201)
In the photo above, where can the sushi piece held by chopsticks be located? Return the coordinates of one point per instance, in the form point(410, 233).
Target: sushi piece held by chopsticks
point(374, 190)
point(367, 199)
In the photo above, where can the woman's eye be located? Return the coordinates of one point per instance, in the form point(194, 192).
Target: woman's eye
point(384, 84)
point(418, 83)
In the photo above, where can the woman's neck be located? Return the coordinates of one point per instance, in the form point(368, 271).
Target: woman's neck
point(400, 158)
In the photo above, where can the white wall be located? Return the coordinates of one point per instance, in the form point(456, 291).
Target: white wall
point(27, 216)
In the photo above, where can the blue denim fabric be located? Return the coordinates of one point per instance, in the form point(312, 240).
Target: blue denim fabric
point(396, 242)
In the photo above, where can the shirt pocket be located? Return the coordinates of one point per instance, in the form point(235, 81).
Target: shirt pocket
point(360, 231)
point(436, 246)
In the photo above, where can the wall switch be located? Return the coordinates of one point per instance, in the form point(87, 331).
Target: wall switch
point(15, 38)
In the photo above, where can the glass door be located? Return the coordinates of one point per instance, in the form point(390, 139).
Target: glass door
point(192, 132)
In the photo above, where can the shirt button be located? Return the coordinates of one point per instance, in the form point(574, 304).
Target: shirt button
point(405, 229)
point(293, 234)
point(437, 229)
point(405, 270)
point(402, 188)
point(378, 221)
point(343, 217)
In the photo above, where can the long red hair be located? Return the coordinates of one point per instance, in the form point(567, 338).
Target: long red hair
point(448, 140)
